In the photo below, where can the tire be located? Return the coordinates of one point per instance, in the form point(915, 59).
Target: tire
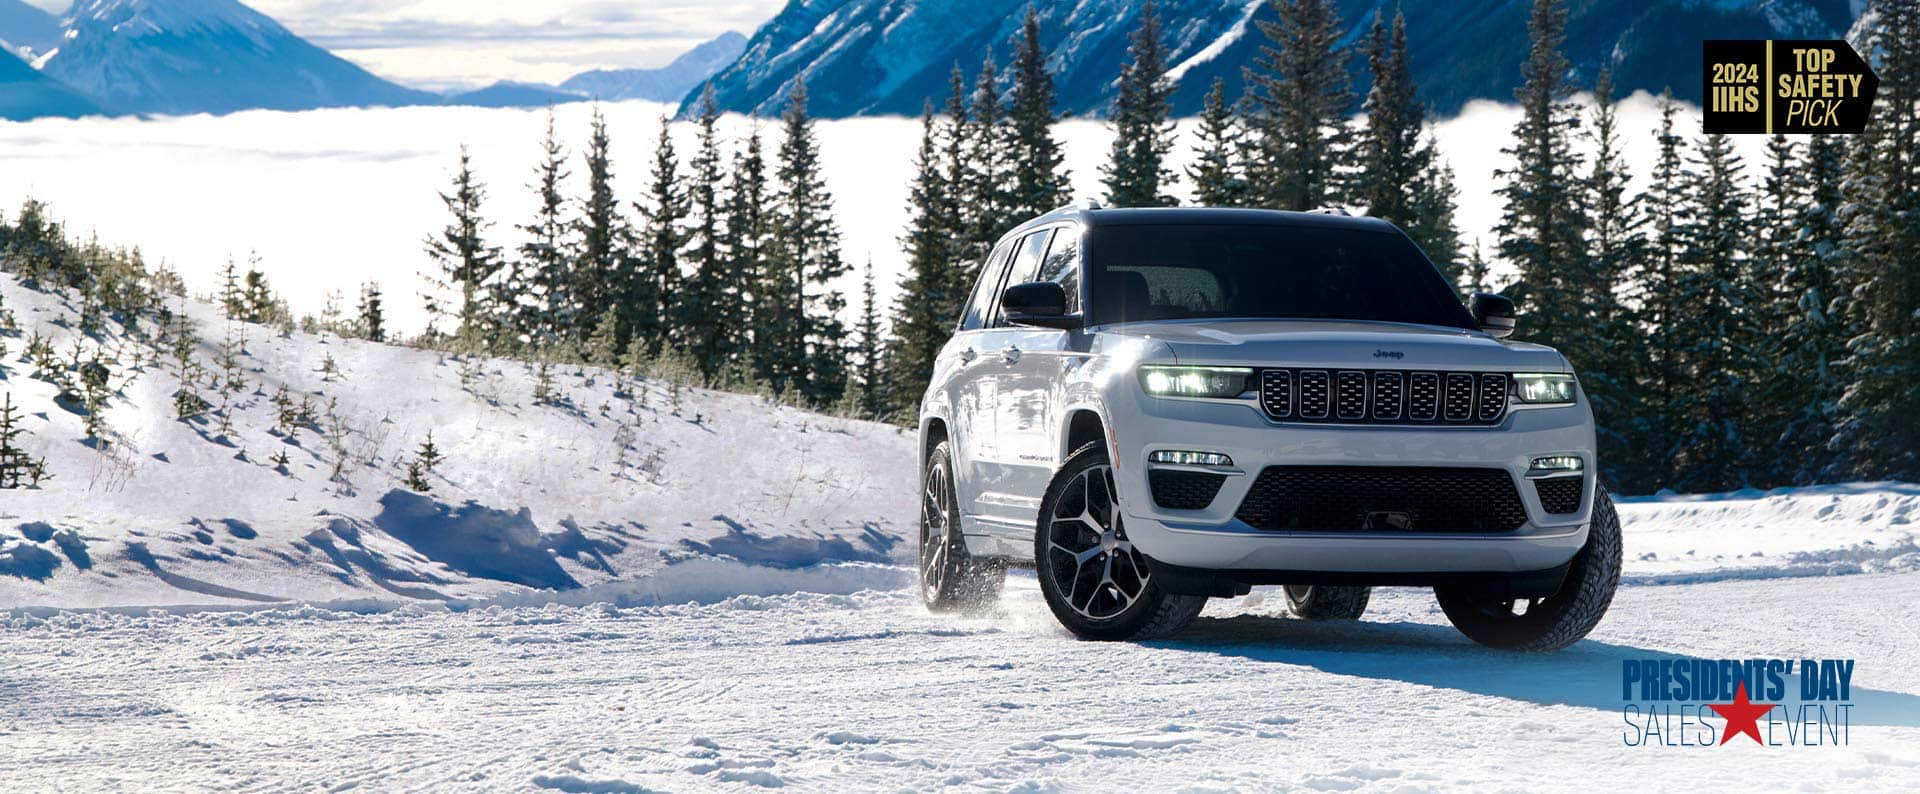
point(1094, 580)
point(1327, 602)
point(1559, 620)
point(951, 580)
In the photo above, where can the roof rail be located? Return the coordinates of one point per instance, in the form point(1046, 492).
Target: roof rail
point(1082, 204)
point(1330, 211)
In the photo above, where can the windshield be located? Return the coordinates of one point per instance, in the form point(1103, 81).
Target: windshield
point(1188, 271)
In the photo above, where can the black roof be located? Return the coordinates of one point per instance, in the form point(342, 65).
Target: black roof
point(1094, 216)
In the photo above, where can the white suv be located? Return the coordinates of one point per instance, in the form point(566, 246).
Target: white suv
point(1157, 406)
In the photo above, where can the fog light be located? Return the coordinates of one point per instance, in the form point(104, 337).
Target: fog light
point(1183, 457)
point(1556, 464)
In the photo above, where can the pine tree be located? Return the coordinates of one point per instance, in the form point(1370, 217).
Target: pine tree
point(1610, 373)
point(1300, 99)
point(650, 298)
point(747, 246)
point(373, 322)
point(1877, 428)
point(603, 239)
point(1806, 378)
point(1474, 277)
point(964, 181)
point(1136, 174)
point(1712, 450)
point(468, 265)
point(1542, 227)
point(1039, 172)
point(548, 313)
point(1433, 226)
point(871, 375)
point(707, 313)
point(232, 297)
point(421, 467)
point(988, 194)
point(1389, 152)
point(14, 461)
point(1662, 299)
point(923, 314)
point(1216, 175)
point(806, 345)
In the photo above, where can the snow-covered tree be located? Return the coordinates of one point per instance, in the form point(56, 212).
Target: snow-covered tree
point(1543, 223)
point(649, 296)
point(546, 312)
point(1218, 180)
point(923, 314)
point(467, 263)
point(1039, 172)
point(1136, 174)
point(1300, 98)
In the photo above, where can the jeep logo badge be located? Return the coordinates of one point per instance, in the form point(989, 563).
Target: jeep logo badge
point(1389, 354)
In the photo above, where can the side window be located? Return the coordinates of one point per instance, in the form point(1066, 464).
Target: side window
point(988, 288)
point(1026, 265)
point(1062, 265)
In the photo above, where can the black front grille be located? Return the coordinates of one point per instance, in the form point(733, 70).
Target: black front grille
point(1383, 498)
point(1184, 490)
point(1353, 396)
point(1560, 495)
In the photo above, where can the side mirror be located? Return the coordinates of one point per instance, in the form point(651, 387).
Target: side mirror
point(1493, 313)
point(1041, 303)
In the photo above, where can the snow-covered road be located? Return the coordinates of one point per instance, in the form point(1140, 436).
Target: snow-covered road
point(869, 692)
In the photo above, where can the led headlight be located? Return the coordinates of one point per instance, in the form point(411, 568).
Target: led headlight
point(1215, 382)
point(1542, 388)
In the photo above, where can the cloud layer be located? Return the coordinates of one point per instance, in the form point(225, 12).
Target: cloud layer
point(331, 198)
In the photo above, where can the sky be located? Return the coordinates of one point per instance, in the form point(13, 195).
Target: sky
point(446, 44)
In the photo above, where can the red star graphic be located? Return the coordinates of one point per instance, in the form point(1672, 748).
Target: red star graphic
point(1742, 715)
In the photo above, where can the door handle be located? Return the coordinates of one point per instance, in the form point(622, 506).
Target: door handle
point(967, 356)
point(1011, 354)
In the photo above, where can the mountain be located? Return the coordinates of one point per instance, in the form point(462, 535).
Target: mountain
point(509, 94)
point(888, 56)
point(25, 93)
point(206, 56)
point(668, 83)
point(25, 30)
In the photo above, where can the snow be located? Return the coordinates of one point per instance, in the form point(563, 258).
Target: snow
point(736, 614)
point(868, 692)
point(530, 496)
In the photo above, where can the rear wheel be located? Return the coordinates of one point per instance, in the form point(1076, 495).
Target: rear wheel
point(1559, 620)
point(1327, 602)
point(1094, 580)
point(950, 578)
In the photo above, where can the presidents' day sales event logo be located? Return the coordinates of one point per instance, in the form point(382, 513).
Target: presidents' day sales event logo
point(1675, 702)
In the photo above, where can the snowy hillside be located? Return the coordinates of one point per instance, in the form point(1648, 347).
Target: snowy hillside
point(206, 56)
point(865, 57)
point(593, 488)
point(664, 495)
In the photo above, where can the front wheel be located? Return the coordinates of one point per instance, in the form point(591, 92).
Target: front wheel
point(1094, 580)
point(1559, 620)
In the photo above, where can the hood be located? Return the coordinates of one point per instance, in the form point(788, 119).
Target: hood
point(1337, 344)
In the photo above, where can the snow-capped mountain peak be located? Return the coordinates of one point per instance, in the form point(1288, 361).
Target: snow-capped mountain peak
point(187, 56)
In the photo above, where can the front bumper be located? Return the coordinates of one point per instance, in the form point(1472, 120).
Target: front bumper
point(1211, 538)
